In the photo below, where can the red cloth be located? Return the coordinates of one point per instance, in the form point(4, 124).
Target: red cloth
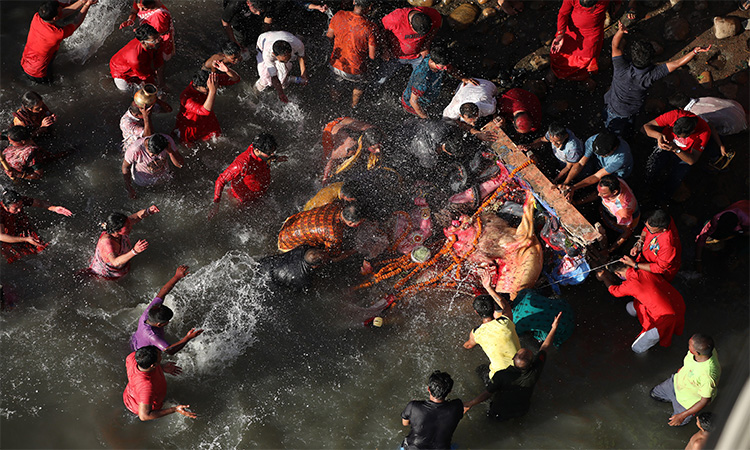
point(250, 177)
point(405, 43)
point(328, 139)
point(194, 122)
point(18, 225)
point(135, 63)
point(517, 100)
point(583, 30)
point(42, 43)
point(657, 303)
point(353, 35)
point(697, 140)
point(143, 387)
point(161, 19)
point(663, 250)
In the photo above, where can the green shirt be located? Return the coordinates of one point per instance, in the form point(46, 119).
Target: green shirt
point(696, 380)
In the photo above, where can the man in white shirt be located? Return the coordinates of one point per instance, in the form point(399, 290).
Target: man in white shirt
point(277, 50)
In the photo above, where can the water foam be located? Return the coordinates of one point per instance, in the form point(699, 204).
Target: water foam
point(101, 20)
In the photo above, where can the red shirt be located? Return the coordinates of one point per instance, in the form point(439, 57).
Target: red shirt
point(663, 251)
point(353, 35)
point(657, 303)
point(697, 140)
point(161, 19)
point(405, 43)
point(41, 45)
point(133, 62)
point(517, 100)
point(194, 122)
point(143, 387)
point(250, 177)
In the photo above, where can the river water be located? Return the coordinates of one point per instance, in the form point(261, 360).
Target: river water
point(274, 371)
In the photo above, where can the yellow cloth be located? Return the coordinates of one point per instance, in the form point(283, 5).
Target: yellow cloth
point(499, 341)
point(324, 196)
point(696, 379)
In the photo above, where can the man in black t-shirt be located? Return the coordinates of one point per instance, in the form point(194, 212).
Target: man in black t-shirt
point(512, 387)
point(245, 20)
point(432, 421)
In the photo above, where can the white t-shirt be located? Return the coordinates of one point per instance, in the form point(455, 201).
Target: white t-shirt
point(145, 168)
point(265, 48)
point(727, 116)
point(483, 96)
point(132, 129)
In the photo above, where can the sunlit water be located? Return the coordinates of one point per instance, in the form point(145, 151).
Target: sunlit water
point(271, 370)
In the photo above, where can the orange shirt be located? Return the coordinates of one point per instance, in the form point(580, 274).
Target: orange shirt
point(353, 35)
point(319, 227)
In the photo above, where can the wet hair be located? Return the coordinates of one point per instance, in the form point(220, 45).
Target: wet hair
point(703, 345)
point(11, 197)
point(200, 79)
point(371, 136)
point(617, 266)
point(282, 48)
point(315, 256)
point(48, 10)
point(260, 5)
point(641, 54)
point(605, 143)
point(133, 109)
point(115, 222)
point(439, 55)
point(587, 3)
point(19, 133)
point(522, 359)
point(348, 190)
point(145, 31)
point(556, 129)
point(440, 384)
point(706, 418)
point(421, 23)
point(160, 314)
point(679, 100)
point(30, 99)
point(610, 182)
point(469, 110)
point(484, 305)
point(659, 219)
point(146, 356)
point(148, 3)
point(265, 142)
point(364, 4)
point(157, 143)
point(231, 48)
point(685, 125)
point(725, 226)
point(351, 212)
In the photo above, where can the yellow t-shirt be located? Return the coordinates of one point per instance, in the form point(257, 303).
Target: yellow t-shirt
point(696, 379)
point(499, 341)
point(324, 196)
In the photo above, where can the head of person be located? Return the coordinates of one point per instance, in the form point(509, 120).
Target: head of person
point(685, 126)
point(440, 384)
point(264, 146)
point(157, 143)
point(705, 421)
point(522, 122)
point(658, 221)
point(678, 100)
point(608, 187)
point(159, 316)
point(438, 59)
point(147, 4)
point(372, 139)
point(362, 5)
point(420, 22)
point(726, 226)
point(522, 359)
point(557, 134)
point(587, 3)
point(641, 54)
point(147, 357)
point(351, 215)
point(32, 101)
point(316, 257)
point(282, 50)
point(232, 52)
point(147, 36)
point(115, 223)
point(618, 268)
point(484, 305)
point(18, 135)
point(48, 10)
point(456, 146)
point(12, 201)
point(701, 345)
point(348, 192)
point(469, 113)
point(200, 80)
point(257, 7)
point(605, 143)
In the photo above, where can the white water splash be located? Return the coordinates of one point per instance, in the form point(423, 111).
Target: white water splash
point(103, 18)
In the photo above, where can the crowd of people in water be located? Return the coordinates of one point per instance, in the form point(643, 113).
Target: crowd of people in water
point(387, 193)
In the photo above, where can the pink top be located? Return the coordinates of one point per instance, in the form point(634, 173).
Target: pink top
point(102, 268)
point(623, 206)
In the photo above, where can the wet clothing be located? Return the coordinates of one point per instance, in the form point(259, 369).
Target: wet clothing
point(145, 168)
point(517, 100)
point(268, 65)
point(627, 93)
point(657, 303)
point(571, 151)
point(619, 163)
point(697, 140)
point(324, 196)
point(353, 34)
point(405, 42)
point(663, 250)
point(328, 139)
point(23, 158)
point(432, 424)
point(583, 30)
point(425, 84)
point(321, 227)
point(499, 341)
point(697, 379)
point(246, 25)
point(741, 209)
point(149, 388)
point(18, 225)
point(194, 122)
point(534, 313)
point(623, 207)
point(483, 96)
point(103, 269)
point(512, 389)
point(289, 269)
point(132, 129)
point(147, 334)
point(250, 177)
point(161, 19)
point(726, 116)
point(42, 43)
point(135, 64)
point(31, 120)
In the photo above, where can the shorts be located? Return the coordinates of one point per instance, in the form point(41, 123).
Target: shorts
point(342, 76)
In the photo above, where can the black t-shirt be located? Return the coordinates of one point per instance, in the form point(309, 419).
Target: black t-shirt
point(513, 388)
point(288, 269)
point(432, 424)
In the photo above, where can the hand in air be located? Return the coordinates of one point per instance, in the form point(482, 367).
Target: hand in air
point(61, 210)
point(182, 271)
point(220, 65)
point(49, 120)
point(171, 368)
point(193, 333)
point(140, 246)
point(153, 209)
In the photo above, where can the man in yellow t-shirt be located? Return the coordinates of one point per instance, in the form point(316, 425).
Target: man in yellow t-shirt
point(694, 385)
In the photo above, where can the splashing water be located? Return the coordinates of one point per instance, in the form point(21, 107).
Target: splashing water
point(98, 25)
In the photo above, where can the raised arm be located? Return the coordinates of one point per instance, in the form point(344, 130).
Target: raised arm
point(179, 274)
point(677, 63)
point(486, 278)
point(551, 335)
point(618, 40)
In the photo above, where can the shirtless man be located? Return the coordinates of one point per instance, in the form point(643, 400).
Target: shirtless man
point(704, 421)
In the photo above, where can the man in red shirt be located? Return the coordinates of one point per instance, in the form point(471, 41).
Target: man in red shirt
point(354, 41)
point(139, 62)
point(658, 249)
point(410, 32)
point(659, 307)
point(48, 29)
point(522, 108)
point(147, 386)
point(196, 120)
point(249, 173)
point(154, 13)
point(681, 138)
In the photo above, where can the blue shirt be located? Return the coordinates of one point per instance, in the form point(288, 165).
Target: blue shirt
point(629, 85)
point(423, 82)
point(571, 151)
point(620, 162)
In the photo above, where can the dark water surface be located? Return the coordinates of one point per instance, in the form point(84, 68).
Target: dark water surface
point(275, 371)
